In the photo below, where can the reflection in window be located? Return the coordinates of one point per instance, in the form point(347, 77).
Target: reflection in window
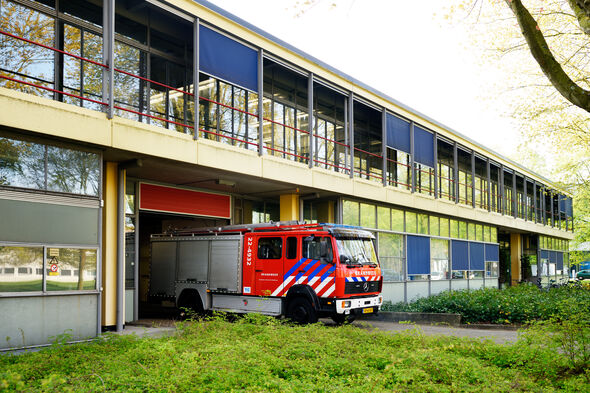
point(492, 270)
point(21, 60)
point(439, 259)
point(61, 262)
point(23, 164)
point(391, 256)
point(72, 171)
point(21, 269)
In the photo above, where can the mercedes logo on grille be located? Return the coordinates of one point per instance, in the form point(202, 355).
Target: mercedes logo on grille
point(366, 286)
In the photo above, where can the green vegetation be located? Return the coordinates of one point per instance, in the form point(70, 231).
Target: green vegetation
point(261, 354)
point(518, 304)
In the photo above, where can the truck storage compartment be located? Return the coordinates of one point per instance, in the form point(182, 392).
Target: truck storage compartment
point(225, 271)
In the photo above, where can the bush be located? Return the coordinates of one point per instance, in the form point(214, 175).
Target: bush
point(518, 304)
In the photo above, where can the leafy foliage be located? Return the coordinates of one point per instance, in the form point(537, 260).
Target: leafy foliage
point(262, 354)
point(518, 304)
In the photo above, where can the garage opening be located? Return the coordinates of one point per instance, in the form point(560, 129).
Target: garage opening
point(153, 209)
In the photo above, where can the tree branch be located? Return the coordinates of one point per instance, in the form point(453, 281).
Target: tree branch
point(542, 54)
point(582, 10)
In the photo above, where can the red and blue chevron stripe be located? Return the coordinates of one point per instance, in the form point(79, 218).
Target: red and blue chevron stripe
point(312, 272)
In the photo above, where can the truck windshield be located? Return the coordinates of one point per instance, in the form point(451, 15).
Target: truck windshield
point(357, 251)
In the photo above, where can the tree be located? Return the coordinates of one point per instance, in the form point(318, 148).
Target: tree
point(573, 91)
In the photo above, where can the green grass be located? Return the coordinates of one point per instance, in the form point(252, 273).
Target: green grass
point(259, 354)
point(518, 304)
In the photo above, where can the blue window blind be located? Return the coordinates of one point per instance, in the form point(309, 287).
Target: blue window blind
point(398, 133)
point(227, 59)
point(559, 261)
point(476, 256)
point(544, 254)
point(492, 253)
point(418, 255)
point(460, 250)
point(423, 146)
point(552, 256)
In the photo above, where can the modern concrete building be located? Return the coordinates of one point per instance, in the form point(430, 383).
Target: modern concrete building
point(98, 150)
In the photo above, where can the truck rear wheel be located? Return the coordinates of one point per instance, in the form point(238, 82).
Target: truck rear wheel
point(301, 311)
point(343, 318)
point(190, 299)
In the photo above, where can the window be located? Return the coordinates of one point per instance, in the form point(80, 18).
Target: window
point(291, 248)
point(33, 165)
point(61, 262)
point(383, 218)
point(313, 246)
point(391, 256)
point(367, 215)
point(270, 248)
point(397, 220)
point(410, 222)
point(27, 262)
point(439, 259)
point(492, 270)
point(350, 213)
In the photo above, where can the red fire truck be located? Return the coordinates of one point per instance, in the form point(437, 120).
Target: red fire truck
point(301, 271)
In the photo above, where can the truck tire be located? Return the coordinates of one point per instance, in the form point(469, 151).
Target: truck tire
point(341, 319)
point(301, 311)
point(191, 300)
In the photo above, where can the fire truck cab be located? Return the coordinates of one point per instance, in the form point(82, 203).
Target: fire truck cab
point(301, 271)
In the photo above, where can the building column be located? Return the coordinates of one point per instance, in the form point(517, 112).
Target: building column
point(109, 245)
point(289, 207)
point(515, 255)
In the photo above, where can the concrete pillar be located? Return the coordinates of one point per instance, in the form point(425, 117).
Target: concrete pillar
point(289, 207)
point(515, 255)
point(326, 212)
point(109, 245)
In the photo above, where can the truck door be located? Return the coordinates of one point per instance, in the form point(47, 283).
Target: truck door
point(268, 265)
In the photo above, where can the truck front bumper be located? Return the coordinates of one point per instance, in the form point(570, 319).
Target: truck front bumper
point(356, 305)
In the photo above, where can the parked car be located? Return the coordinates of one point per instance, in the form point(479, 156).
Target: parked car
point(583, 274)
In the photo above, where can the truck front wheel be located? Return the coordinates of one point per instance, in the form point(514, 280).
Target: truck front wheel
point(301, 311)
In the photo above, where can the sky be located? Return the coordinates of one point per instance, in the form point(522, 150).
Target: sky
point(404, 49)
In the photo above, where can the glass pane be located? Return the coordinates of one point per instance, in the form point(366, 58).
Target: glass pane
point(410, 222)
point(71, 269)
point(22, 164)
point(391, 256)
point(397, 220)
point(21, 269)
point(350, 213)
point(129, 252)
point(454, 229)
point(434, 226)
point(368, 215)
point(471, 231)
point(494, 236)
point(383, 218)
point(486, 234)
point(423, 224)
point(462, 230)
point(479, 233)
point(72, 171)
point(439, 259)
point(444, 227)
point(22, 60)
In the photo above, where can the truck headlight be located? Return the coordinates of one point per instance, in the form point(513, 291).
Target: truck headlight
point(380, 299)
point(346, 304)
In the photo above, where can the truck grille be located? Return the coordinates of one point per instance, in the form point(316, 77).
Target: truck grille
point(359, 287)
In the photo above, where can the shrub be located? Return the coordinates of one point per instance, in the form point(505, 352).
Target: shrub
point(518, 304)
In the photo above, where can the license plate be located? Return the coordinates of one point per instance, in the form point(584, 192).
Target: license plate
point(367, 310)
